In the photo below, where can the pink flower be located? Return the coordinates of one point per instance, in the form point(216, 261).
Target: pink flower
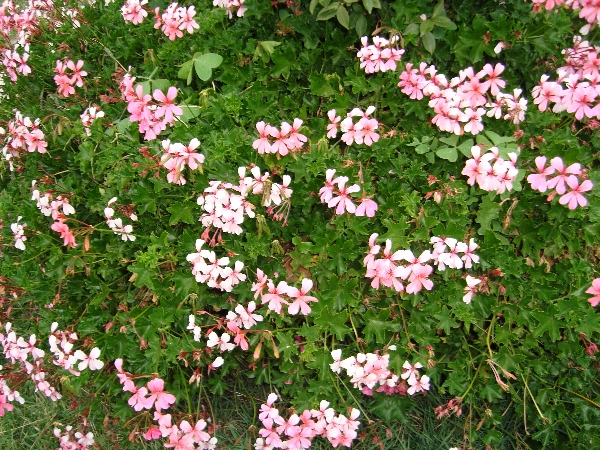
point(274, 296)
point(301, 300)
point(538, 180)
point(262, 144)
point(4, 405)
point(158, 397)
point(65, 233)
point(367, 208)
point(332, 128)
point(168, 109)
point(343, 201)
point(574, 197)
point(595, 291)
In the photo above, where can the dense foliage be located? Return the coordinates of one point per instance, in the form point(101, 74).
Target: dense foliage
point(408, 237)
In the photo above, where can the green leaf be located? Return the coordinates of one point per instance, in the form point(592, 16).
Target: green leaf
point(444, 22)
point(368, 4)
point(439, 9)
point(361, 26)
point(488, 211)
point(269, 46)
point(336, 323)
point(446, 322)
point(343, 17)
point(412, 28)
point(189, 112)
point(181, 212)
point(428, 42)
point(313, 5)
point(548, 324)
point(205, 63)
point(425, 27)
point(186, 70)
point(448, 153)
point(391, 408)
point(377, 326)
point(319, 85)
point(328, 12)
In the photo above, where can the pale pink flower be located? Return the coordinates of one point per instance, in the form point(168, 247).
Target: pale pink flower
point(158, 396)
point(538, 180)
point(367, 207)
point(301, 300)
point(574, 197)
point(595, 291)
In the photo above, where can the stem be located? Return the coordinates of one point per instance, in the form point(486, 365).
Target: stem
point(472, 381)
point(351, 395)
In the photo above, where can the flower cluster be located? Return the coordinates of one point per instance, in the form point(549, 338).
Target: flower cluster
point(226, 204)
point(18, 350)
point(337, 195)
point(387, 272)
point(231, 6)
point(371, 369)
point(61, 346)
point(177, 156)
point(471, 288)
point(295, 299)
point(580, 94)
point(380, 56)
point(116, 225)
point(69, 440)
point(23, 135)
point(65, 81)
point(240, 319)
point(595, 291)
point(279, 141)
point(490, 171)
point(461, 103)
point(213, 271)
point(49, 206)
point(298, 430)
point(152, 118)
point(173, 21)
point(88, 116)
point(18, 230)
point(183, 435)
point(18, 22)
point(572, 176)
point(361, 132)
point(15, 63)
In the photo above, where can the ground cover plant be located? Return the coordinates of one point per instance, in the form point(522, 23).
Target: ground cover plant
point(293, 224)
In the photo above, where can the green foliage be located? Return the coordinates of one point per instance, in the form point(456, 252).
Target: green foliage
point(530, 329)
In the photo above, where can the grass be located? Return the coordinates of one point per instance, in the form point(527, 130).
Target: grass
point(30, 426)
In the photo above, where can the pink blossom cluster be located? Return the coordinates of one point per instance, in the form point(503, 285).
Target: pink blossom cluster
point(461, 103)
point(573, 177)
point(213, 271)
point(361, 131)
point(337, 195)
point(16, 63)
point(65, 81)
point(88, 116)
point(577, 89)
point(490, 171)
point(49, 206)
point(240, 319)
point(380, 56)
point(19, 350)
point(177, 156)
point(116, 224)
point(173, 21)
point(61, 346)
point(59, 209)
point(231, 6)
point(588, 9)
point(182, 436)
point(295, 299)
point(18, 21)
point(78, 440)
point(387, 272)
point(594, 290)
point(152, 118)
point(23, 135)
point(367, 370)
point(297, 431)
point(225, 205)
point(279, 141)
point(18, 230)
